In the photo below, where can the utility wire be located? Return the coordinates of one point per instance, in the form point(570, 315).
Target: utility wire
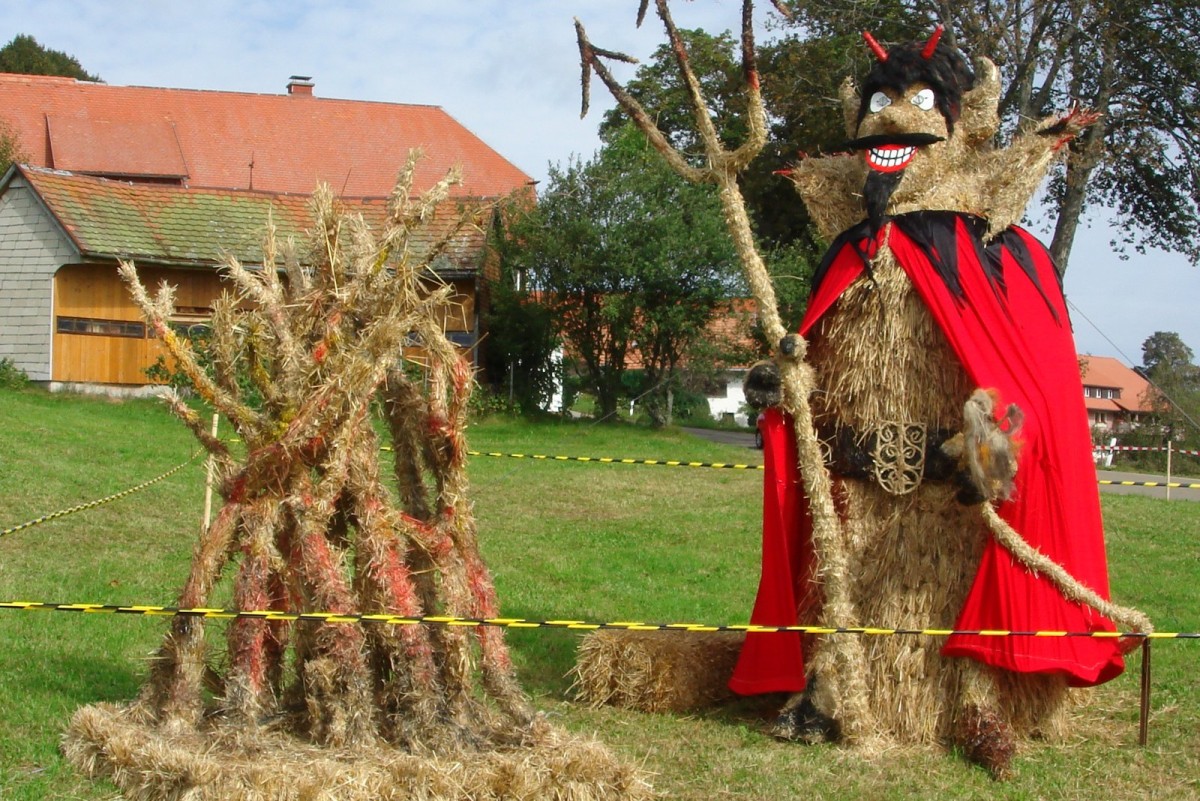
point(1128, 361)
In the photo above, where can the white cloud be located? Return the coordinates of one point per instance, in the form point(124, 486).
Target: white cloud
point(509, 71)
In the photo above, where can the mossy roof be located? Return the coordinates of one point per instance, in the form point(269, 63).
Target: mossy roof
point(172, 224)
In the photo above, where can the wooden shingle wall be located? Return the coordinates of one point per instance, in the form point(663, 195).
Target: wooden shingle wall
point(31, 248)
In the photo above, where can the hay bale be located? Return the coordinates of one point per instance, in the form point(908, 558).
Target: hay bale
point(163, 762)
point(656, 671)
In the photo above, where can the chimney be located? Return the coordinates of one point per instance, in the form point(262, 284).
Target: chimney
point(300, 85)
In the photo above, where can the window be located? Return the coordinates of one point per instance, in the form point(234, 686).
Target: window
point(1108, 393)
point(104, 328)
point(193, 322)
point(190, 330)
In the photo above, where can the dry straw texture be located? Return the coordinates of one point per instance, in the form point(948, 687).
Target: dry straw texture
point(656, 671)
point(904, 555)
point(879, 359)
point(308, 523)
point(214, 764)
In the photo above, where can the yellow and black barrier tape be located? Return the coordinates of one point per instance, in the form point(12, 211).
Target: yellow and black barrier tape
point(1171, 484)
point(392, 619)
point(617, 460)
point(535, 456)
point(735, 466)
point(99, 502)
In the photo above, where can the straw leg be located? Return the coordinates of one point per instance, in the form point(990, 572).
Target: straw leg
point(173, 691)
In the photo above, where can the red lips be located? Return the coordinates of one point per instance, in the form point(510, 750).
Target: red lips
point(889, 158)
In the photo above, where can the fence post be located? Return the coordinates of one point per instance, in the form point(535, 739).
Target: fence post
point(208, 481)
point(1144, 717)
point(1168, 469)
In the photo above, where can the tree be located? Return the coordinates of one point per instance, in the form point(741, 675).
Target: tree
point(628, 259)
point(1165, 352)
point(1174, 395)
point(23, 55)
point(779, 217)
point(518, 353)
point(10, 147)
point(1135, 63)
point(781, 221)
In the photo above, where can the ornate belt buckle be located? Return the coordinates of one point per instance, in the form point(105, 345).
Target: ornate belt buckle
point(898, 456)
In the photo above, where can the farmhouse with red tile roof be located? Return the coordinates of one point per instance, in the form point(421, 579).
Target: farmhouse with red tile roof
point(173, 179)
point(1116, 397)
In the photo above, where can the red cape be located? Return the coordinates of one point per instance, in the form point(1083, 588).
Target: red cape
point(1002, 311)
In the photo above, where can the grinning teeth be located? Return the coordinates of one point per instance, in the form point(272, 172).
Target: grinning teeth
point(892, 156)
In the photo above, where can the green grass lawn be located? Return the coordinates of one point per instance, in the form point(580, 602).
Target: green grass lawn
point(564, 539)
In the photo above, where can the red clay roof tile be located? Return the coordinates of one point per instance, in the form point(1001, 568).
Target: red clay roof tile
point(1106, 372)
point(232, 140)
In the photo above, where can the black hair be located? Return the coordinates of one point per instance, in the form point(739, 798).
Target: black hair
point(946, 71)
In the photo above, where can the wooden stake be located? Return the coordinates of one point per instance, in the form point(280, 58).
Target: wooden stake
point(1168, 469)
point(208, 481)
point(1144, 722)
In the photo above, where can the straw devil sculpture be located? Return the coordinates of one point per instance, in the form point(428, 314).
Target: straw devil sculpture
point(928, 457)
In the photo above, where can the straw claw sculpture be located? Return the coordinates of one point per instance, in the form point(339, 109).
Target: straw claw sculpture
point(310, 524)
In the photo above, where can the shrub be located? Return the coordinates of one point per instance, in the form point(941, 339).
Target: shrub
point(11, 376)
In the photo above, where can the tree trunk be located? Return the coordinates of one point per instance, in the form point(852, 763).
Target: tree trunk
point(607, 394)
point(1070, 209)
point(1084, 158)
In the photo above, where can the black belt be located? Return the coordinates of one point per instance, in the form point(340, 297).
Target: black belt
point(851, 455)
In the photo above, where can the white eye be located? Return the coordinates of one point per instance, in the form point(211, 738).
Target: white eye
point(923, 100)
point(879, 101)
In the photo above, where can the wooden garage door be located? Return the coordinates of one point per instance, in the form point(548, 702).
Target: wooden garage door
point(99, 336)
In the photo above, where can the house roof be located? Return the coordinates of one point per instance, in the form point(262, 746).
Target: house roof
point(232, 140)
point(172, 224)
point(1109, 373)
point(728, 329)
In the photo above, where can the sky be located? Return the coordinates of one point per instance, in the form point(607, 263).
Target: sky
point(509, 71)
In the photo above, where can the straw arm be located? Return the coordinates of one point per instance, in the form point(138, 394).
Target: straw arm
point(1013, 175)
point(1126, 618)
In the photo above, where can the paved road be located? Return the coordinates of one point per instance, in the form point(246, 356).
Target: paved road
point(745, 439)
point(1176, 493)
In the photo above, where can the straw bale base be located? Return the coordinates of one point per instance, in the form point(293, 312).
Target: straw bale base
point(150, 762)
point(656, 671)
